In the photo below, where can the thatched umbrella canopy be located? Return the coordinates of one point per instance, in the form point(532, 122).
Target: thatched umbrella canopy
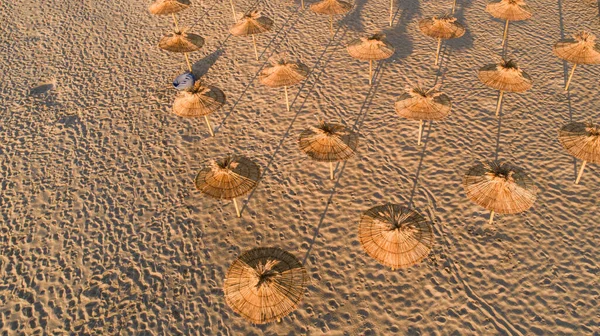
point(265, 284)
point(331, 8)
point(395, 236)
point(582, 140)
point(500, 187)
point(180, 41)
point(508, 10)
point(441, 28)
point(284, 73)
point(506, 77)
point(372, 48)
point(251, 24)
point(329, 143)
point(581, 49)
point(166, 7)
point(420, 104)
point(228, 178)
point(199, 101)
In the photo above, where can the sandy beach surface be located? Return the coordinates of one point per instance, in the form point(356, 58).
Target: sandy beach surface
point(103, 233)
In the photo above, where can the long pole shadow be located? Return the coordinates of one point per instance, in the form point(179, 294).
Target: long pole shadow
point(318, 228)
point(566, 73)
point(359, 120)
point(252, 80)
point(287, 131)
point(414, 190)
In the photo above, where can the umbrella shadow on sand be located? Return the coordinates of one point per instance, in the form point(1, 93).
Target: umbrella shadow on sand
point(465, 41)
point(353, 20)
point(201, 67)
point(397, 35)
point(42, 88)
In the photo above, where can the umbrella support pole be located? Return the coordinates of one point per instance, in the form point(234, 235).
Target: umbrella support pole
point(255, 50)
point(175, 21)
point(331, 170)
point(302, 3)
point(420, 132)
point(187, 59)
point(453, 6)
point(580, 173)
point(331, 25)
point(437, 53)
point(233, 11)
point(570, 77)
point(209, 127)
point(391, 11)
point(505, 34)
point(237, 208)
point(499, 103)
point(287, 101)
point(491, 217)
point(370, 72)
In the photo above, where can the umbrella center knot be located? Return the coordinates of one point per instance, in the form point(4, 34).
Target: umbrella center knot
point(506, 175)
point(585, 37)
point(593, 130)
point(265, 272)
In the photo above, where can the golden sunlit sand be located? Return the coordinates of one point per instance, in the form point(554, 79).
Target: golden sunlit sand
point(280, 190)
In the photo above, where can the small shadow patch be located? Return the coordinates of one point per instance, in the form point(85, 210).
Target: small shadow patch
point(41, 89)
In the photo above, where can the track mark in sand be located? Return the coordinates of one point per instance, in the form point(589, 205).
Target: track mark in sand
point(502, 324)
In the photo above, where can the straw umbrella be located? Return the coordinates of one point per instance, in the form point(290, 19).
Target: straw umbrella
point(166, 7)
point(582, 140)
point(180, 41)
point(228, 178)
point(509, 10)
point(251, 24)
point(500, 187)
point(372, 48)
point(199, 101)
point(420, 104)
point(329, 143)
point(395, 236)
point(506, 77)
point(265, 284)
point(283, 73)
point(331, 8)
point(581, 49)
point(441, 28)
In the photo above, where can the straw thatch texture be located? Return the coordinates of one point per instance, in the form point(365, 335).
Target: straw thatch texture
point(265, 284)
point(283, 73)
point(166, 7)
point(511, 10)
point(581, 49)
point(373, 48)
point(228, 178)
point(582, 140)
point(419, 104)
point(329, 142)
point(331, 7)
point(181, 42)
point(505, 76)
point(250, 24)
point(199, 101)
point(395, 236)
point(500, 187)
point(444, 27)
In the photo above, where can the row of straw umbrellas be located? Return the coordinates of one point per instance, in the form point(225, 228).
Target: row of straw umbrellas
point(266, 284)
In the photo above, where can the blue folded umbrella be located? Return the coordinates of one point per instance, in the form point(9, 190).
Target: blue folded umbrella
point(184, 81)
